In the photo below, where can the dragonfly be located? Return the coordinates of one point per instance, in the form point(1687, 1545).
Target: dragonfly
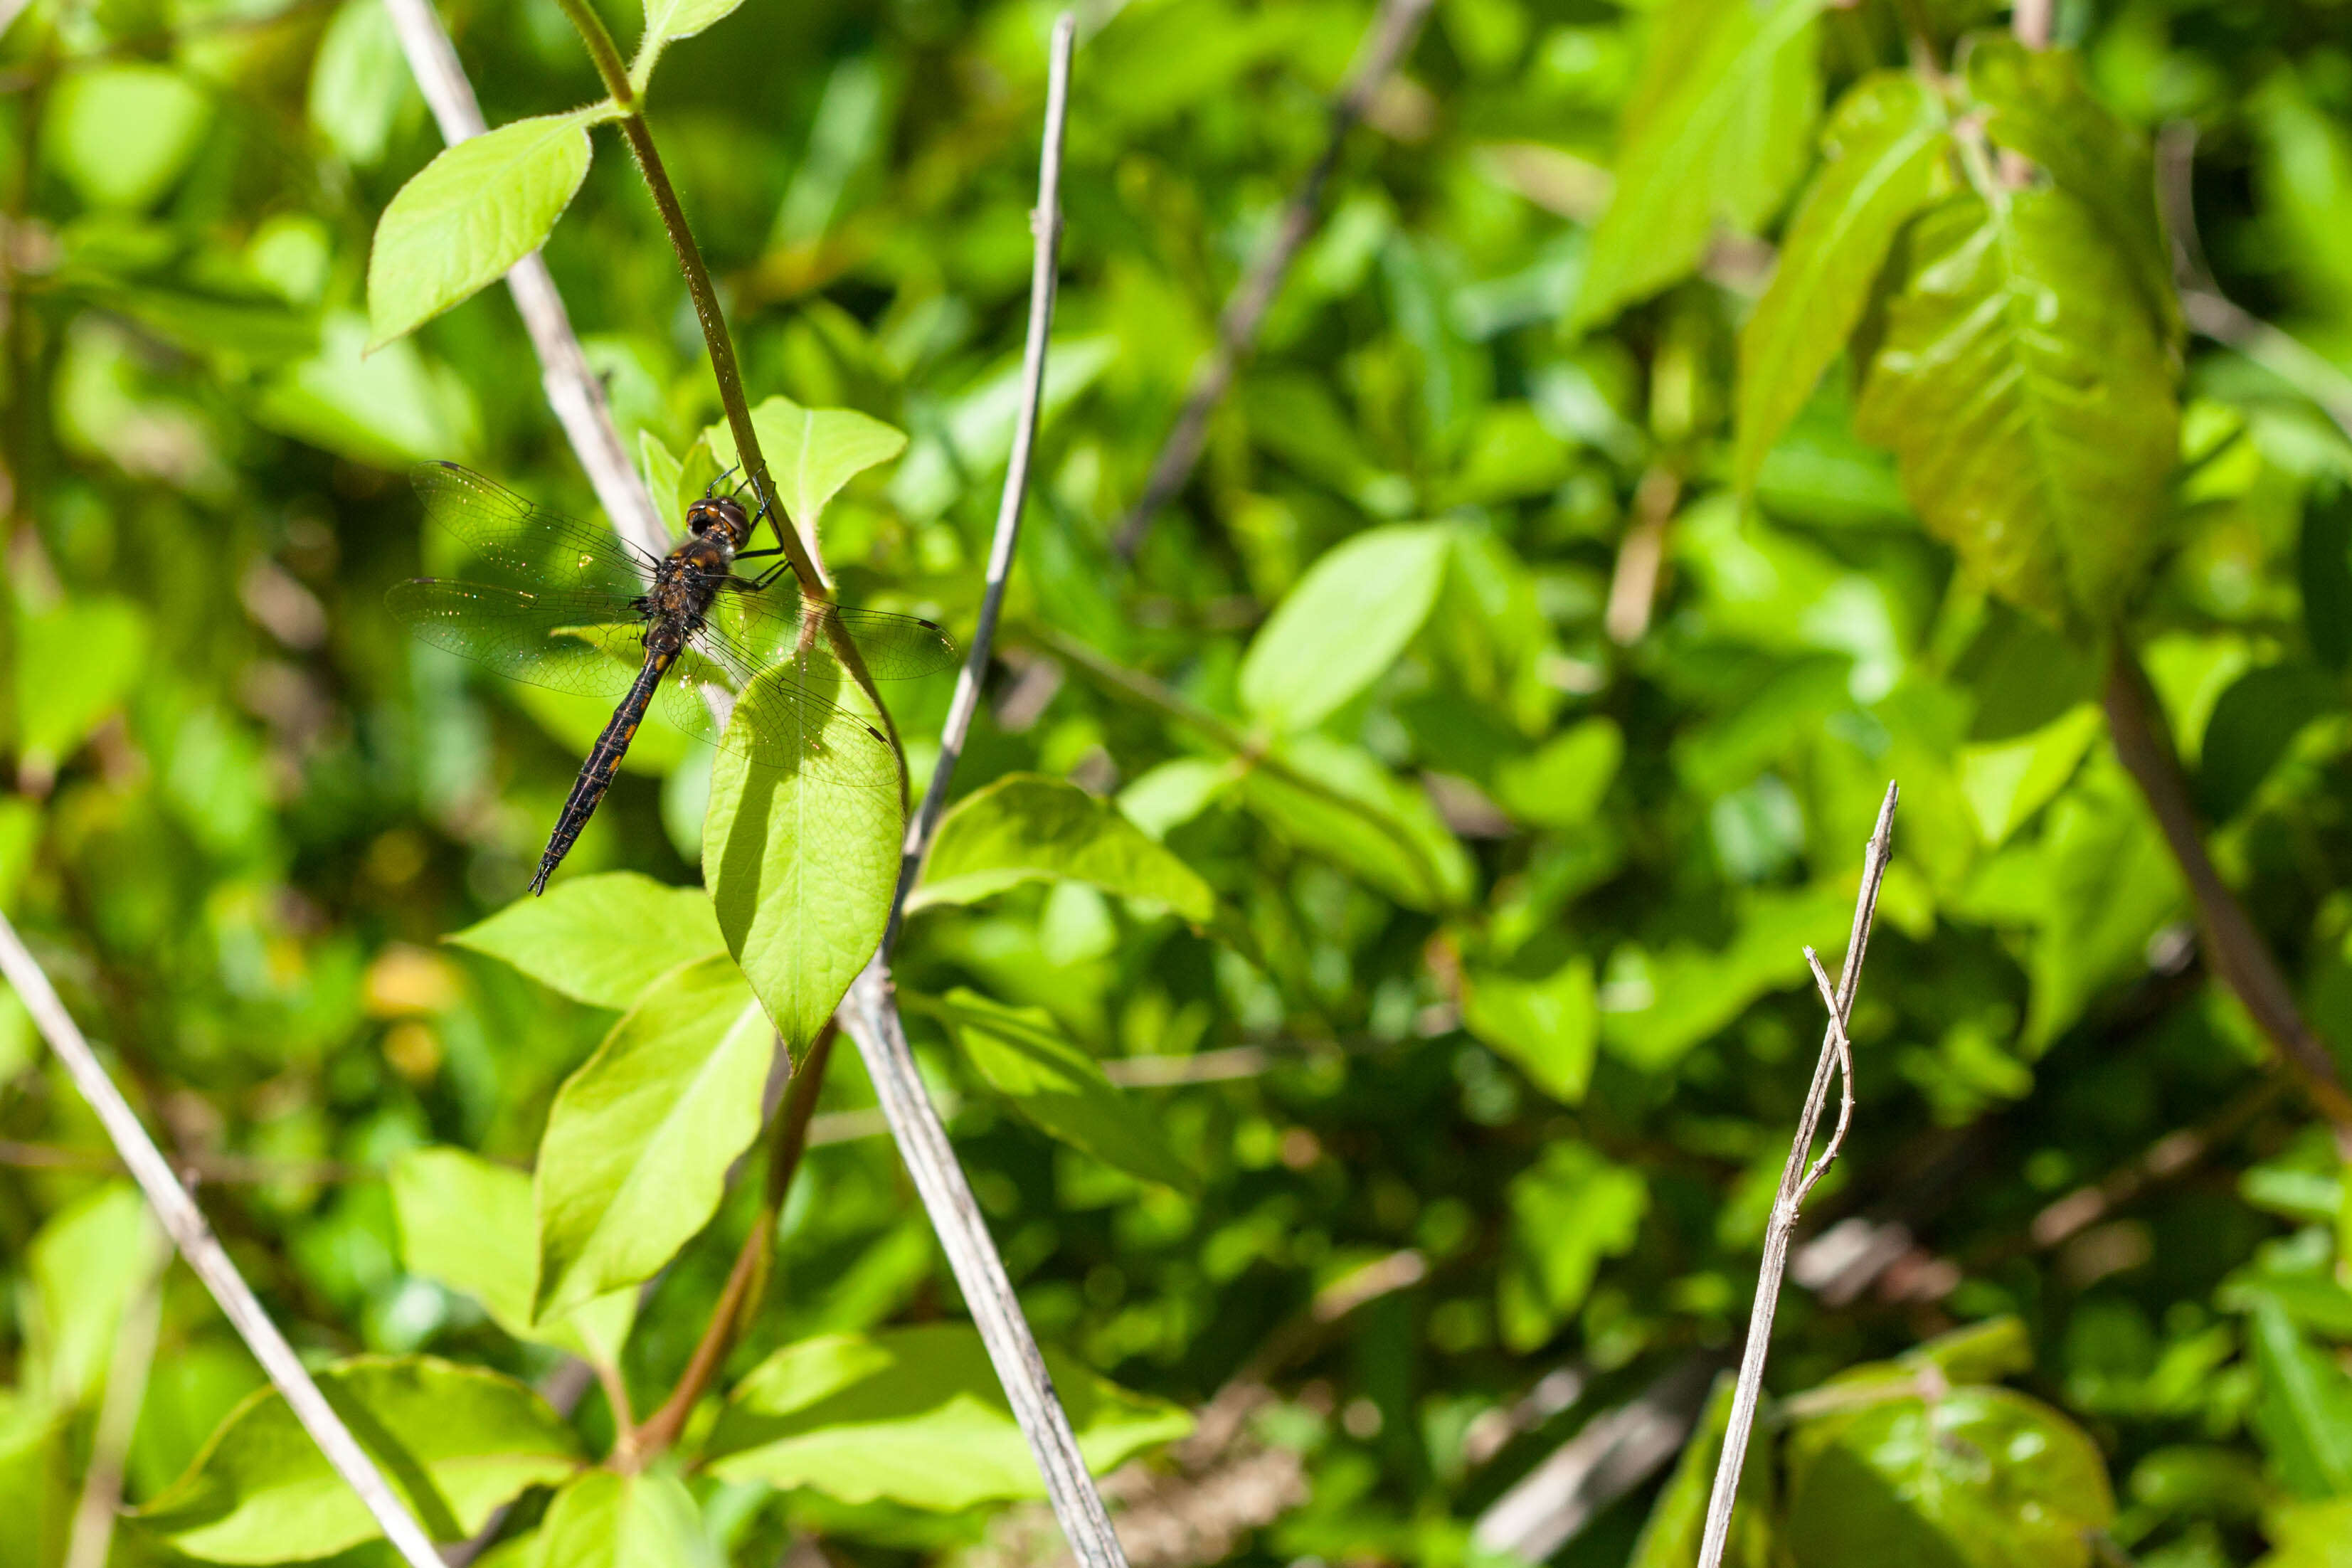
point(581, 611)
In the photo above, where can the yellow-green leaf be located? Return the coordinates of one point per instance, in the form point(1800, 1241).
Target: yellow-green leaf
point(1027, 827)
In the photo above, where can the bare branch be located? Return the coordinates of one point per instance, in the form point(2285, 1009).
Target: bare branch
point(1794, 1183)
point(870, 1012)
point(572, 389)
point(1845, 1077)
point(184, 1223)
point(1392, 34)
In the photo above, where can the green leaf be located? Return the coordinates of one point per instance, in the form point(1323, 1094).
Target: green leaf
point(2043, 108)
point(1715, 132)
point(1548, 1027)
point(1344, 624)
point(386, 409)
point(635, 1158)
point(86, 1264)
point(2309, 1535)
point(1976, 1478)
point(1677, 1523)
point(1050, 1078)
point(455, 1442)
point(1365, 820)
point(915, 1415)
point(802, 868)
point(121, 132)
point(667, 21)
point(2006, 781)
point(1889, 156)
point(1561, 784)
point(1026, 828)
point(103, 642)
point(2304, 1411)
point(1680, 996)
point(471, 214)
point(359, 83)
point(471, 1226)
point(2105, 883)
point(810, 452)
point(2029, 401)
point(600, 939)
point(663, 473)
point(1569, 1210)
point(606, 1521)
point(2251, 727)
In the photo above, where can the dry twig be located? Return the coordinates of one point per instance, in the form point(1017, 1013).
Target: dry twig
point(184, 1223)
point(870, 1012)
point(1797, 1179)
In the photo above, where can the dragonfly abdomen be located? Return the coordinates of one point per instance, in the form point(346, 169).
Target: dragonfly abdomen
point(596, 773)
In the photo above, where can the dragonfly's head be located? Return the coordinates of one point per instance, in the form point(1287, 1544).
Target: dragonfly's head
point(722, 514)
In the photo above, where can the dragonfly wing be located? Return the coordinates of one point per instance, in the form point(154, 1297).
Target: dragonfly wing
point(555, 640)
point(775, 623)
point(527, 541)
point(785, 717)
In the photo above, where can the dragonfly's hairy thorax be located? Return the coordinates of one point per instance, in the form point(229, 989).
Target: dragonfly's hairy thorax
point(685, 582)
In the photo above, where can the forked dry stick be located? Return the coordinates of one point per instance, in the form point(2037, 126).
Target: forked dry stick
point(1797, 1179)
point(184, 1223)
point(870, 1012)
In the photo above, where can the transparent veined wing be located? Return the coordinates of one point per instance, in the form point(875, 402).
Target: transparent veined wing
point(564, 641)
point(514, 537)
point(775, 623)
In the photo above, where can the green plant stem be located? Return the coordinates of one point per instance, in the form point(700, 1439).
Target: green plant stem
point(614, 70)
point(738, 1300)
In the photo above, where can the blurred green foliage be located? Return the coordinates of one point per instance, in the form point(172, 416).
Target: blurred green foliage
point(1416, 1072)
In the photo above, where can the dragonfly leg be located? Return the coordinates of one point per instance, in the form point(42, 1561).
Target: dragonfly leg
point(712, 487)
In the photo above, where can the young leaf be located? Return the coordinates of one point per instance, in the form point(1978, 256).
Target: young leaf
point(667, 21)
point(647, 1519)
point(1026, 827)
point(812, 452)
point(801, 870)
point(1976, 1476)
point(1887, 151)
point(1715, 131)
point(455, 1442)
point(1548, 1027)
point(1343, 625)
point(1050, 1079)
point(915, 1415)
point(103, 642)
point(471, 214)
point(600, 939)
point(2029, 401)
point(2043, 108)
point(470, 1224)
point(637, 1145)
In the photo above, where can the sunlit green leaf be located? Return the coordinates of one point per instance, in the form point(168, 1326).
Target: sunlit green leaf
point(646, 1519)
point(103, 642)
point(2304, 1411)
point(121, 132)
point(1362, 817)
point(600, 939)
point(2028, 398)
point(1715, 132)
point(1026, 827)
point(1975, 1477)
point(2008, 781)
point(1889, 154)
point(455, 1442)
point(915, 1415)
point(1050, 1078)
point(1344, 624)
point(801, 866)
point(1677, 1525)
point(470, 1224)
point(637, 1144)
point(1561, 784)
point(810, 452)
point(85, 1265)
point(2309, 1535)
point(1569, 1210)
point(360, 83)
point(1547, 1026)
point(471, 214)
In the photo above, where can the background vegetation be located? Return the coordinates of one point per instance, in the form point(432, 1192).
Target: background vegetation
point(1622, 490)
